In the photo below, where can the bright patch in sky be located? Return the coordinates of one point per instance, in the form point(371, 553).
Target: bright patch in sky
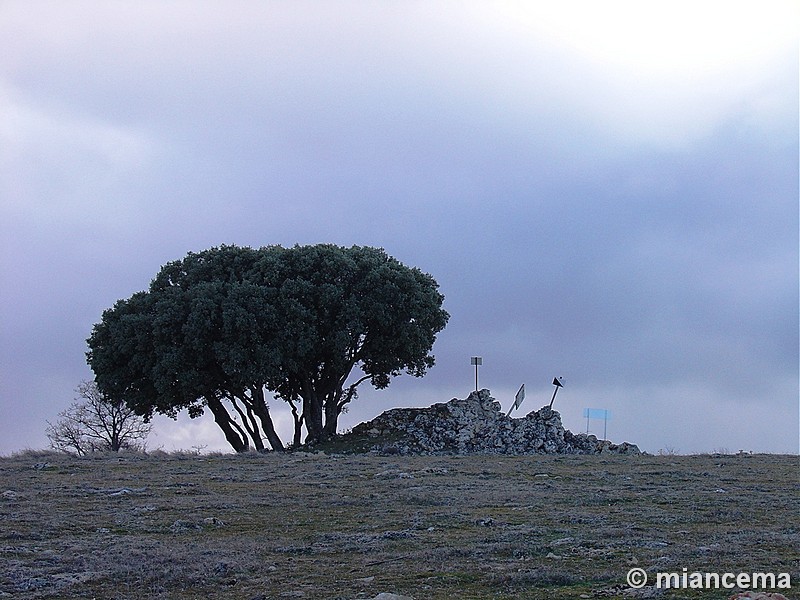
point(665, 74)
point(661, 38)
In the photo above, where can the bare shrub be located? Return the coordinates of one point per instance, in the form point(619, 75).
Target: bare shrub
point(94, 423)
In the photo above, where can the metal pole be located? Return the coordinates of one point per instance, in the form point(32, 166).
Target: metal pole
point(605, 423)
point(558, 384)
point(555, 391)
point(476, 360)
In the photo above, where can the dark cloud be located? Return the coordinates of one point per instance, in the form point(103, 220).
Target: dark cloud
point(633, 232)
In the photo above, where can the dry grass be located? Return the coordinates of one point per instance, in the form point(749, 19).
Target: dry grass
point(345, 527)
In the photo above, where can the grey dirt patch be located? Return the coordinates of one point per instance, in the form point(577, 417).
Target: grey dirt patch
point(347, 527)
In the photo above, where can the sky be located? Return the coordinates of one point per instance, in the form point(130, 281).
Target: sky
point(605, 191)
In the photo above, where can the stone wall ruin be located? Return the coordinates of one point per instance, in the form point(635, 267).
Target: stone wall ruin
point(477, 425)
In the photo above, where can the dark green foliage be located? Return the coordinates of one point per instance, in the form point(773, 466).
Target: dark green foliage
point(219, 327)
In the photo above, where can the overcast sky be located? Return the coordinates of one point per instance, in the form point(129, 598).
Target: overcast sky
point(605, 191)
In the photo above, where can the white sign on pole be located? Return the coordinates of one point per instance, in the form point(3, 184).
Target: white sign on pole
point(520, 396)
point(517, 399)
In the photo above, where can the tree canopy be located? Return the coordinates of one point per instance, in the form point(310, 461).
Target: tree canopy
point(218, 328)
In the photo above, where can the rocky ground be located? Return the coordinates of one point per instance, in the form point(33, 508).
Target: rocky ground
point(300, 525)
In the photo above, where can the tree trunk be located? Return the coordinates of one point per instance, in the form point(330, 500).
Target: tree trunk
point(223, 419)
point(262, 410)
point(248, 422)
point(335, 401)
point(312, 413)
point(331, 415)
point(298, 426)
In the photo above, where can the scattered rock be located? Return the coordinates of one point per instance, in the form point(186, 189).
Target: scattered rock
point(181, 525)
point(628, 592)
point(388, 596)
point(434, 471)
point(116, 491)
point(393, 474)
point(553, 556)
point(10, 495)
point(70, 579)
point(477, 425)
point(758, 596)
point(562, 541)
point(13, 535)
point(643, 593)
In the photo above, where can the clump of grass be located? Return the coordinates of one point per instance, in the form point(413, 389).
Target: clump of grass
point(31, 454)
point(546, 576)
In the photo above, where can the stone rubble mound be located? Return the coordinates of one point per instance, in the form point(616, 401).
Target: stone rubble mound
point(477, 425)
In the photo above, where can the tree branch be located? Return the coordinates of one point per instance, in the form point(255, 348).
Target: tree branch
point(351, 390)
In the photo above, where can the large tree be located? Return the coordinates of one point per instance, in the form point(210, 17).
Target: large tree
point(220, 328)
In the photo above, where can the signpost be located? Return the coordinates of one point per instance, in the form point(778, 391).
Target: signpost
point(558, 382)
point(520, 395)
point(517, 399)
point(477, 361)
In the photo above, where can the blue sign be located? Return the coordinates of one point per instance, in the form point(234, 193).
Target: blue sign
point(596, 413)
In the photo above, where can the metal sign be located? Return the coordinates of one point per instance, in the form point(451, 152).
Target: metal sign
point(517, 399)
point(597, 413)
point(559, 383)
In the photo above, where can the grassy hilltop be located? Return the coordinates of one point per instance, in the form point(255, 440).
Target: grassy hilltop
point(298, 525)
